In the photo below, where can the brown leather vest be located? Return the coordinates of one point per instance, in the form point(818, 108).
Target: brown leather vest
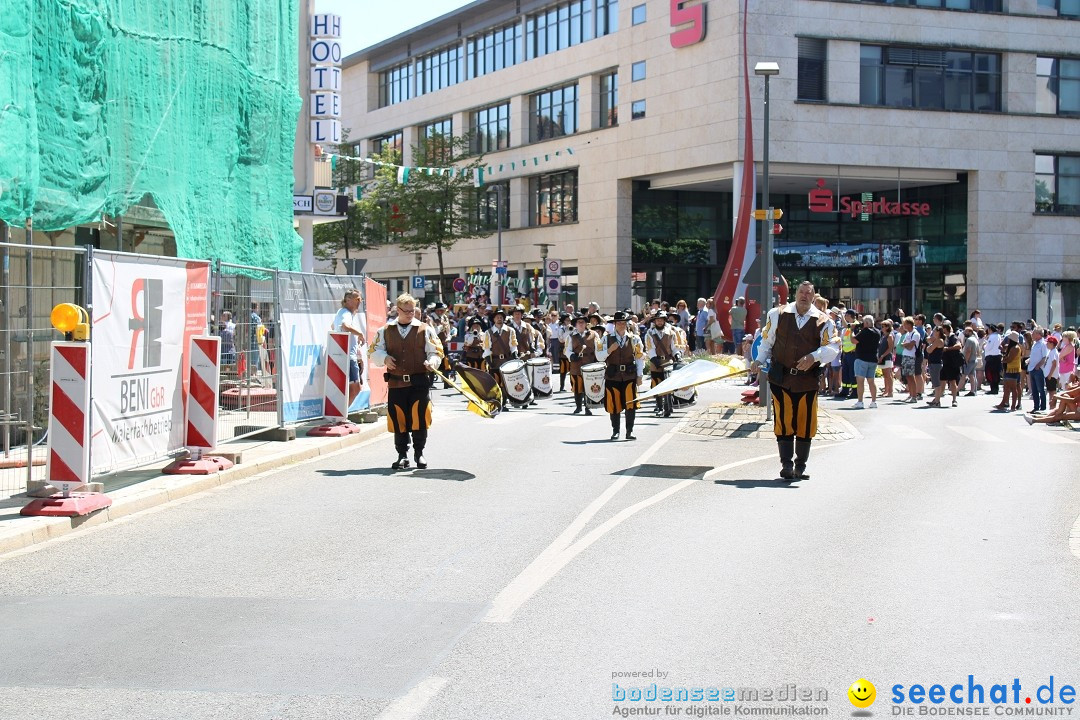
point(475, 349)
point(791, 344)
point(500, 346)
point(621, 357)
point(663, 346)
point(524, 338)
point(408, 352)
point(585, 347)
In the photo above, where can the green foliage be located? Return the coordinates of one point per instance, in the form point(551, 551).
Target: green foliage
point(664, 234)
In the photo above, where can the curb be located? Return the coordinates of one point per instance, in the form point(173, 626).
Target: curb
point(163, 489)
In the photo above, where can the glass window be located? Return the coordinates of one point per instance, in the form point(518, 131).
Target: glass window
point(1057, 184)
point(494, 50)
point(394, 142)
point(930, 79)
point(976, 5)
point(609, 100)
point(812, 62)
point(1058, 89)
point(554, 198)
point(438, 69)
point(436, 146)
point(554, 113)
point(637, 109)
point(568, 24)
point(1063, 8)
point(491, 128)
point(395, 85)
point(487, 206)
point(637, 71)
point(637, 14)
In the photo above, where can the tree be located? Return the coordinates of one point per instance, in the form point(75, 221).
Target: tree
point(357, 230)
point(435, 207)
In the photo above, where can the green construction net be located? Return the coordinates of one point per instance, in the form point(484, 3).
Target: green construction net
point(193, 102)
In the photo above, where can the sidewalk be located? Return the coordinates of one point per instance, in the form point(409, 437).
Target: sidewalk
point(142, 488)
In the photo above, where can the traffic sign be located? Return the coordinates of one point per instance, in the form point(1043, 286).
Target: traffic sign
point(459, 284)
point(777, 228)
point(554, 285)
point(418, 282)
point(777, 213)
point(499, 266)
point(552, 267)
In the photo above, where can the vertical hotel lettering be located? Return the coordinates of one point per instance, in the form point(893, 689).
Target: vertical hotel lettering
point(325, 101)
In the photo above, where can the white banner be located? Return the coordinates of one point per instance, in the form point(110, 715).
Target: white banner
point(145, 310)
point(308, 305)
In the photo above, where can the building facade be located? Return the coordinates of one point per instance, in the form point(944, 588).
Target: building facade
point(934, 139)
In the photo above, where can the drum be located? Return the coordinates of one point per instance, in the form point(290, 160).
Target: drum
point(540, 375)
point(592, 376)
point(516, 382)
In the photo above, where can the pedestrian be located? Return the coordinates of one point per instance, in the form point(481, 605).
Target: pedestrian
point(701, 324)
point(409, 350)
point(992, 358)
point(1067, 351)
point(227, 331)
point(625, 358)
point(886, 355)
point(867, 339)
point(347, 321)
point(1053, 368)
point(1037, 367)
point(797, 339)
point(1010, 360)
point(909, 343)
point(970, 350)
point(737, 319)
point(952, 364)
point(847, 359)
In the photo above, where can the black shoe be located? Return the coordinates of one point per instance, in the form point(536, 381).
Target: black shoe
point(588, 411)
point(667, 413)
point(421, 462)
point(629, 436)
point(786, 474)
point(615, 435)
point(800, 474)
point(658, 413)
point(577, 411)
point(402, 463)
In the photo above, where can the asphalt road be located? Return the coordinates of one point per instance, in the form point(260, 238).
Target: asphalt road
point(536, 563)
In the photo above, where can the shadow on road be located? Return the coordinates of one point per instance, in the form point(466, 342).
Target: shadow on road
point(668, 472)
point(430, 473)
point(777, 483)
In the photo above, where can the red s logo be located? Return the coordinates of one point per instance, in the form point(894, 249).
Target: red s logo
point(681, 16)
point(821, 199)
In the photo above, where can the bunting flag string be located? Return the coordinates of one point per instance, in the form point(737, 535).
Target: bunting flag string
point(478, 174)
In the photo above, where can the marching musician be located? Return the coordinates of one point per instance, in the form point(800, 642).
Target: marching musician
point(558, 331)
point(474, 343)
point(597, 323)
point(799, 338)
point(500, 345)
point(540, 333)
point(437, 319)
point(660, 349)
point(409, 350)
point(524, 332)
point(580, 350)
point(625, 358)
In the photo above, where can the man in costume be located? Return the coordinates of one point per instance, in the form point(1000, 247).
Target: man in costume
point(660, 345)
point(474, 343)
point(797, 340)
point(558, 329)
point(580, 350)
point(625, 358)
point(500, 345)
point(523, 330)
point(409, 350)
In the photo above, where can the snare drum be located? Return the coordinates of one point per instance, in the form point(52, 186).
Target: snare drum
point(592, 376)
point(516, 382)
point(540, 375)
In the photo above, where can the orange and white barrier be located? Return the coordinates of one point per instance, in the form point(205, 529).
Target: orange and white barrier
point(336, 389)
point(200, 411)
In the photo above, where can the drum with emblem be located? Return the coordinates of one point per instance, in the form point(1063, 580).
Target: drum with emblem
point(515, 379)
point(540, 375)
point(592, 376)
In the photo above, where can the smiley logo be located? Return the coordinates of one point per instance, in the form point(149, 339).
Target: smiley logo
point(862, 693)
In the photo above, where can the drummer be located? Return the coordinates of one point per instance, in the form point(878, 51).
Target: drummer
point(500, 345)
point(597, 323)
point(474, 343)
point(580, 350)
point(625, 358)
point(660, 349)
point(524, 332)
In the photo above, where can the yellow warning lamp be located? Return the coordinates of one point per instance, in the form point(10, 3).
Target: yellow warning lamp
point(72, 319)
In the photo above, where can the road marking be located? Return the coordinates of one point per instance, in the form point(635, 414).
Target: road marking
point(1051, 438)
point(974, 433)
point(411, 704)
point(906, 432)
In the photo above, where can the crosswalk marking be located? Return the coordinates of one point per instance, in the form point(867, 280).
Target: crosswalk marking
point(974, 433)
point(1050, 438)
point(906, 432)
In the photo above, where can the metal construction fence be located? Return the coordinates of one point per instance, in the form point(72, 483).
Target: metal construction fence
point(250, 308)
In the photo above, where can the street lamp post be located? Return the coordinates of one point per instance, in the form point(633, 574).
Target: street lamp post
point(913, 247)
point(496, 282)
point(543, 269)
point(419, 257)
point(766, 69)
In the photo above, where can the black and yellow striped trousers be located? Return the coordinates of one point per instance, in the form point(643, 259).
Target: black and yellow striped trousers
point(794, 413)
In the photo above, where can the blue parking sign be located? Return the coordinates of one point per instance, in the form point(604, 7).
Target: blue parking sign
point(418, 282)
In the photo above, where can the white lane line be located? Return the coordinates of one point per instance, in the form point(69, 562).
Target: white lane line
point(411, 704)
point(906, 432)
point(1052, 438)
point(974, 433)
point(547, 563)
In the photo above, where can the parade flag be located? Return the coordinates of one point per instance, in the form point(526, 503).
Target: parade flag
point(488, 395)
point(698, 372)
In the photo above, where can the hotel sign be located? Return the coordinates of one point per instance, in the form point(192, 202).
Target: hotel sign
point(325, 99)
point(683, 15)
point(822, 200)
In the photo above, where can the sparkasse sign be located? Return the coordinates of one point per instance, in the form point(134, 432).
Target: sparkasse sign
point(822, 200)
point(681, 15)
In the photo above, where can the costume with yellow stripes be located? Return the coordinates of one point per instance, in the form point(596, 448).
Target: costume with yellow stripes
point(625, 358)
point(787, 338)
point(415, 348)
